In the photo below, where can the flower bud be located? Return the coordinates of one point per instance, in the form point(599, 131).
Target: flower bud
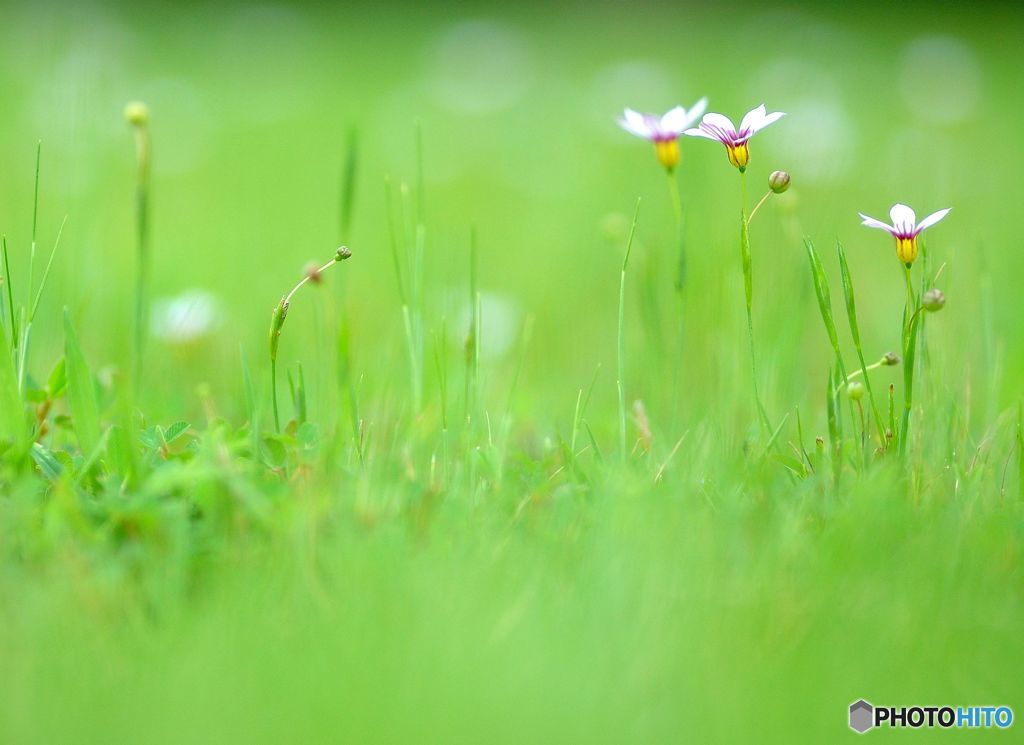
point(890, 359)
point(933, 300)
point(855, 390)
point(342, 253)
point(778, 182)
point(137, 114)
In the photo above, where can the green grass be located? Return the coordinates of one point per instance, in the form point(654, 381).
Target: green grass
point(444, 543)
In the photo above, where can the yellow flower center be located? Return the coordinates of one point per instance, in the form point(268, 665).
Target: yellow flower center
point(668, 152)
point(906, 250)
point(739, 155)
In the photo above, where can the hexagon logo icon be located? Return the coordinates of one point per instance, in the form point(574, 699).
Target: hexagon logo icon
point(862, 716)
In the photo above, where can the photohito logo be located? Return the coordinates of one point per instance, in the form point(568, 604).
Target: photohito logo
point(865, 716)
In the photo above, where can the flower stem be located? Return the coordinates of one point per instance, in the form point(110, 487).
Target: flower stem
point(142, 154)
point(677, 210)
point(909, 356)
point(277, 320)
point(680, 283)
point(861, 371)
point(748, 290)
point(758, 206)
point(621, 341)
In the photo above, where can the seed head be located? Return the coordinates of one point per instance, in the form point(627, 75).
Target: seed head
point(137, 114)
point(855, 390)
point(890, 359)
point(933, 300)
point(342, 253)
point(778, 182)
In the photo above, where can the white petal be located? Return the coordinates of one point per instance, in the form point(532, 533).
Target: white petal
point(719, 121)
point(903, 218)
point(698, 132)
point(675, 121)
point(873, 223)
point(752, 119)
point(932, 219)
point(766, 120)
point(697, 110)
point(635, 123)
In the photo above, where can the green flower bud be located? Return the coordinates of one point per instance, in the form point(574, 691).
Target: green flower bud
point(137, 114)
point(890, 359)
point(778, 182)
point(855, 390)
point(342, 253)
point(933, 300)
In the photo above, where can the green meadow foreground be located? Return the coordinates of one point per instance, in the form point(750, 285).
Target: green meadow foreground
point(551, 450)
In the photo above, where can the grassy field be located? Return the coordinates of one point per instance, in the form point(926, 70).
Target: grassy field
point(463, 532)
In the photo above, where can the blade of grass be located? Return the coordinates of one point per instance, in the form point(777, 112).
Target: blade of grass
point(851, 312)
point(10, 293)
point(46, 272)
point(81, 390)
point(12, 412)
point(821, 290)
point(622, 334)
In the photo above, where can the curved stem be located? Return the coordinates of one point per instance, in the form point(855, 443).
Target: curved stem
point(748, 291)
point(277, 324)
point(758, 206)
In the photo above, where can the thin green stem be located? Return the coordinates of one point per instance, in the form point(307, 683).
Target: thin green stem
point(862, 371)
point(10, 294)
point(35, 224)
point(273, 393)
point(142, 154)
point(680, 284)
point(677, 210)
point(748, 291)
point(279, 316)
point(758, 206)
point(621, 346)
point(909, 357)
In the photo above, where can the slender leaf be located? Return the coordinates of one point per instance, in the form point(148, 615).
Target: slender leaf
point(851, 312)
point(12, 412)
point(81, 390)
point(824, 302)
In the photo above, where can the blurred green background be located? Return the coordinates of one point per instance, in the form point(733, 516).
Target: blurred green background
point(253, 106)
point(723, 606)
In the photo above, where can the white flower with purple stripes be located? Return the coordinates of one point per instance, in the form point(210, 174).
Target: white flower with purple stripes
point(905, 228)
point(719, 127)
point(663, 131)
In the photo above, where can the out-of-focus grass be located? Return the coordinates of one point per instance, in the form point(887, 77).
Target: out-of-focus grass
point(360, 604)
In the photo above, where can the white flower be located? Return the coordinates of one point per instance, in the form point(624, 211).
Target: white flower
point(719, 127)
point(187, 317)
point(905, 228)
point(664, 130)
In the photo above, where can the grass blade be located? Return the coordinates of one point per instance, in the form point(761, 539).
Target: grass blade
point(10, 293)
point(825, 302)
point(46, 272)
point(81, 390)
point(12, 412)
point(851, 312)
